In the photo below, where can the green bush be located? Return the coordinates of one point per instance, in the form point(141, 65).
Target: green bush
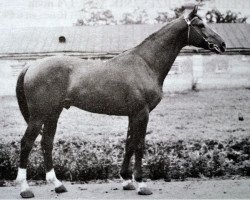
point(80, 160)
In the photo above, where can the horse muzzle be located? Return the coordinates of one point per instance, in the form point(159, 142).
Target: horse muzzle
point(215, 48)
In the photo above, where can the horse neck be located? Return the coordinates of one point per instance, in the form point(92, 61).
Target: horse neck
point(161, 48)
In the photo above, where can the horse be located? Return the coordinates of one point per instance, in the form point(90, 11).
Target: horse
point(130, 84)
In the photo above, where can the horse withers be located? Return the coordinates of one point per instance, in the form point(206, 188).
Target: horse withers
point(129, 84)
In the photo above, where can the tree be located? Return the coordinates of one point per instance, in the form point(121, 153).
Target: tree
point(215, 16)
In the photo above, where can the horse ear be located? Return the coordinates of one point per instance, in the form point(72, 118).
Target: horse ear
point(193, 12)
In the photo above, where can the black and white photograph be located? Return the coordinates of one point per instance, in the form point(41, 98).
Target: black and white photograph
point(125, 99)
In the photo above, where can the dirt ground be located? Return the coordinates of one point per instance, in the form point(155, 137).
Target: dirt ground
point(196, 189)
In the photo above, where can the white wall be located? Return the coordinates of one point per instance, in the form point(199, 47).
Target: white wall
point(203, 71)
point(209, 72)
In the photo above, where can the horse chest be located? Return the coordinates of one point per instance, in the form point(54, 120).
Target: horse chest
point(153, 98)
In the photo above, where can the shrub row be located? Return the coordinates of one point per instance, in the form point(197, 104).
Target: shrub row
point(79, 160)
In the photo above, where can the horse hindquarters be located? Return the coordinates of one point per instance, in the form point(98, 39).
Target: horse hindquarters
point(38, 104)
point(32, 131)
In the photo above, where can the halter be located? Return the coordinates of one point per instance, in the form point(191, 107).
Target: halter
point(189, 23)
point(211, 45)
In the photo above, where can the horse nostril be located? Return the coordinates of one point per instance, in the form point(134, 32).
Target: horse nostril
point(210, 45)
point(223, 46)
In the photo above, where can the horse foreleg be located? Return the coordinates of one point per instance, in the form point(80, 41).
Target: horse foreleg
point(126, 172)
point(140, 122)
point(49, 131)
point(31, 133)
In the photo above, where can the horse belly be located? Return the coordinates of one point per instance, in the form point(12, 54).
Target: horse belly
point(104, 104)
point(109, 98)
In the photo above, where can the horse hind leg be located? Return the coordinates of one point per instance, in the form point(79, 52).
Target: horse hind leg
point(49, 131)
point(31, 133)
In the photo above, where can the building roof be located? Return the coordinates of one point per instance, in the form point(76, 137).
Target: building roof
point(102, 39)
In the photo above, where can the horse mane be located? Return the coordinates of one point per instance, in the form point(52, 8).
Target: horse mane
point(198, 16)
point(164, 29)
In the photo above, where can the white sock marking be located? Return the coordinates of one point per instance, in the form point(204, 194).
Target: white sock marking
point(22, 179)
point(126, 182)
point(141, 185)
point(51, 178)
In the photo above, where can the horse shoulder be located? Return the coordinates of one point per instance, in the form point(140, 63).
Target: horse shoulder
point(141, 79)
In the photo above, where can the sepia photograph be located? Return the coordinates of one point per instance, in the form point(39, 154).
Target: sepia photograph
point(125, 99)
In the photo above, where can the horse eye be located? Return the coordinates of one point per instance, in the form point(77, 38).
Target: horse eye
point(201, 25)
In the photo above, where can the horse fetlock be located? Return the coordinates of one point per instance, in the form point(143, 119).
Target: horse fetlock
point(126, 174)
point(142, 185)
point(21, 179)
point(51, 178)
point(21, 175)
point(138, 176)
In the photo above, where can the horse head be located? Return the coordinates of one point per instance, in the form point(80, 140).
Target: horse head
point(201, 35)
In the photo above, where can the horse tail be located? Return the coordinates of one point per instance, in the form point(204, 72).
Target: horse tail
point(20, 94)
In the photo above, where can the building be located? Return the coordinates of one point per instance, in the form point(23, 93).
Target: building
point(194, 68)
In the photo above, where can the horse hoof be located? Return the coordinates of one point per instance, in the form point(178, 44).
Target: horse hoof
point(129, 186)
point(145, 191)
point(27, 194)
point(61, 189)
